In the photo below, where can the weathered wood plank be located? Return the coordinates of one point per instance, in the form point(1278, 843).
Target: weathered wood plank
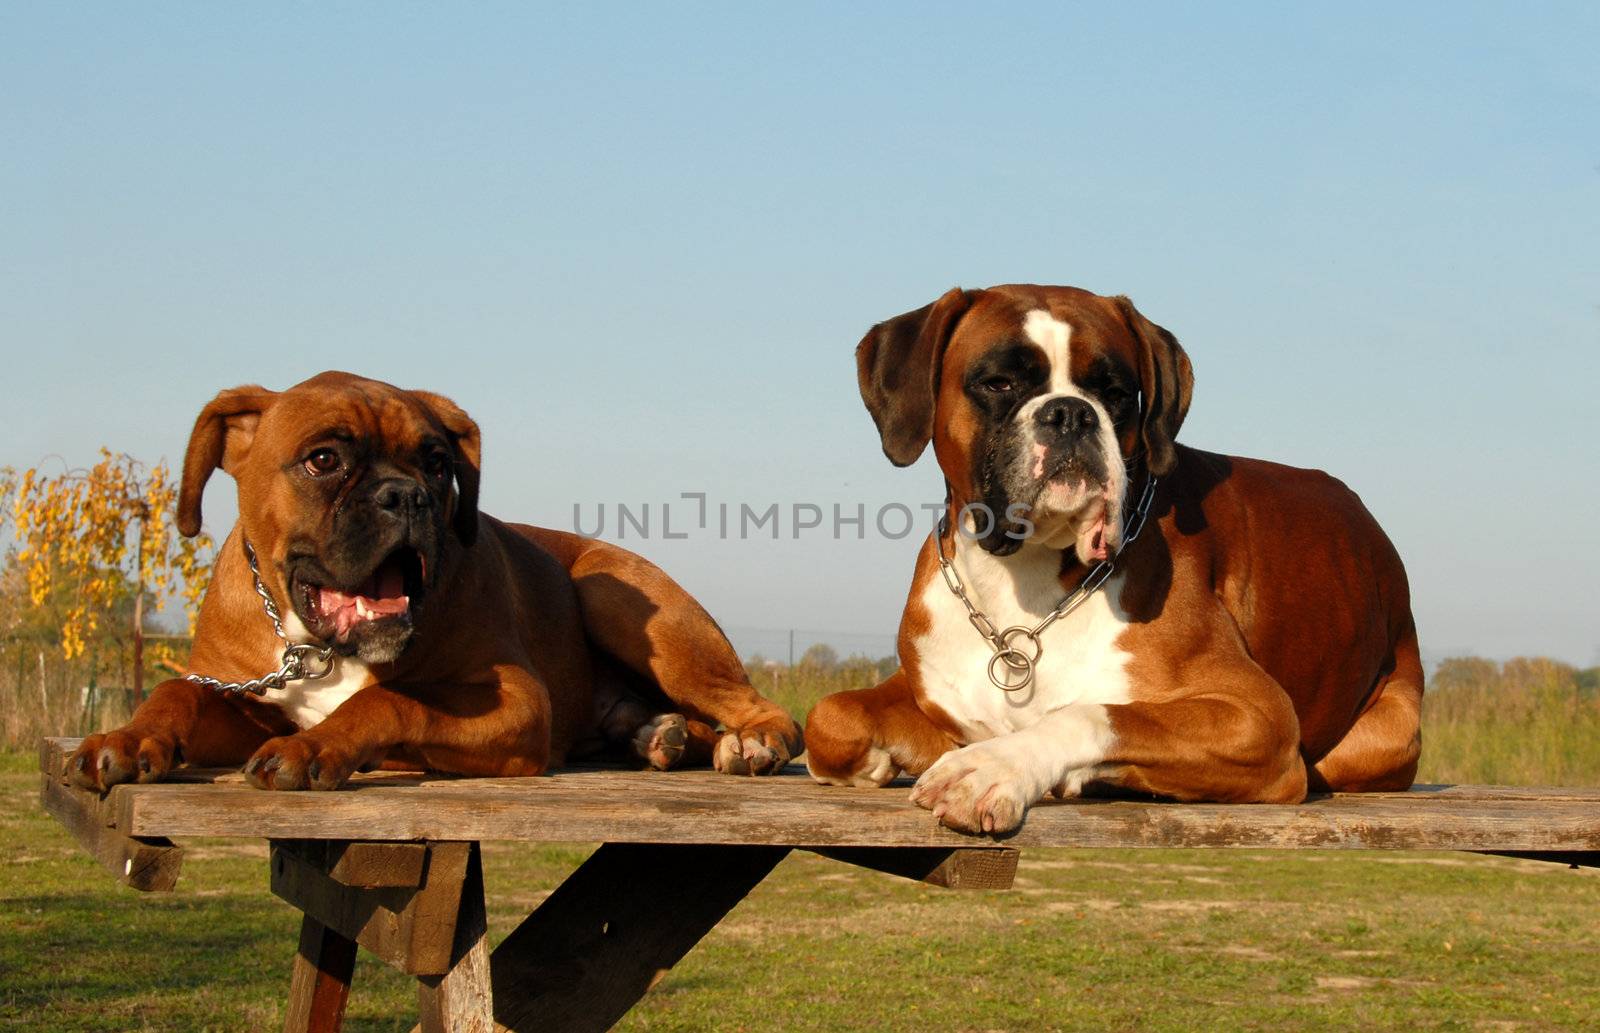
point(790, 810)
point(363, 865)
point(319, 987)
point(149, 863)
point(412, 928)
point(1476, 792)
point(618, 923)
point(788, 813)
point(460, 1000)
point(962, 868)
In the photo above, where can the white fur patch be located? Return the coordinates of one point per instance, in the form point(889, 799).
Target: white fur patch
point(1080, 662)
point(989, 786)
point(1055, 732)
point(1054, 338)
point(309, 702)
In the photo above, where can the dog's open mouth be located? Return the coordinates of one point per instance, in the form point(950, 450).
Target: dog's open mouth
point(388, 593)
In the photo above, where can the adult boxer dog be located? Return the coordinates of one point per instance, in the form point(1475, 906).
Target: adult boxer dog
point(453, 641)
point(1255, 639)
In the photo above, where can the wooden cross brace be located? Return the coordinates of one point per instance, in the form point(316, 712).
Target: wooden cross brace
point(578, 963)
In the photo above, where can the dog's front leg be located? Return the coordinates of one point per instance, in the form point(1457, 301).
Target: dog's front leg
point(1222, 747)
point(989, 785)
point(495, 729)
point(179, 722)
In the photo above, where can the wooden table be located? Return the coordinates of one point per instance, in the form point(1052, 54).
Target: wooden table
point(392, 863)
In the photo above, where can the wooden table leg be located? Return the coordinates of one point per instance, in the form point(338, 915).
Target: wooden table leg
point(604, 937)
point(320, 985)
point(418, 906)
point(458, 1001)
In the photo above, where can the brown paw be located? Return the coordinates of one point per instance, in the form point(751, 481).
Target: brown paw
point(125, 755)
point(299, 762)
point(757, 749)
point(660, 741)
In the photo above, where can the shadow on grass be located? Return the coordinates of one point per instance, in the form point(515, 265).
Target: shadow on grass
point(95, 960)
point(95, 943)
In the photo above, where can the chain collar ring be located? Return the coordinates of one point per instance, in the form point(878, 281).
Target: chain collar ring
point(300, 661)
point(1011, 667)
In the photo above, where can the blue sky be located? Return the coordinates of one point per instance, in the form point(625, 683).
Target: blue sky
point(640, 244)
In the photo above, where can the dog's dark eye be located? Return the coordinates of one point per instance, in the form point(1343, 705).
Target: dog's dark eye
point(996, 385)
point(439, 464)
point(323, 462)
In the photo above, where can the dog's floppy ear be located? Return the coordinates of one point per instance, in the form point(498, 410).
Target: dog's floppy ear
point(468, 444)
point(221, 437)
point(1166, 380)
point(897, 366)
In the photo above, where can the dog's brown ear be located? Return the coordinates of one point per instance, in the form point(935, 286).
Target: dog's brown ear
point(897, 366)
point(467, 441)
point(221, 437)
point(1166, 380)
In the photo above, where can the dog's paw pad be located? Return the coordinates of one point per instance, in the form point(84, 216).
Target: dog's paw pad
point(660, 741)
point(748, 754)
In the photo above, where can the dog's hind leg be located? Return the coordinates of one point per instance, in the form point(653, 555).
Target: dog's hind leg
point(1380, 751)
point(865, 737)
point(627, 719)
point(637, 615)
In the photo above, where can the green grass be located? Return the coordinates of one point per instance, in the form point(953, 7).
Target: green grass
point(1116, 940)
point(1110, 940)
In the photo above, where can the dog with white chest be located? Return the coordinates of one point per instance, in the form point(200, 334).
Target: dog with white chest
point(1101, 606)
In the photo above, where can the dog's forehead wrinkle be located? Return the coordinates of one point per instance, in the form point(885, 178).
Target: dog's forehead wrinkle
point(367, 411)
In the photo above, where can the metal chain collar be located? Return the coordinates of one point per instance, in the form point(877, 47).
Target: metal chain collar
point(1017, 649)
point(294, 666)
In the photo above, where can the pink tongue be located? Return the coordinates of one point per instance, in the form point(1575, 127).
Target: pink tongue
point(346, 610)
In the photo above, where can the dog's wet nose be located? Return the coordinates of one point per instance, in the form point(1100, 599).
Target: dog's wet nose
point(1067, 416)
point(397, 495)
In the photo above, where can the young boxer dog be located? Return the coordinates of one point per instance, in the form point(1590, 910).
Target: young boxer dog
point(363, 610)
point(1254, 641)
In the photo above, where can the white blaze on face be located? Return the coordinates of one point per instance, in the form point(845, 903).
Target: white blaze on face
point(1088, 516)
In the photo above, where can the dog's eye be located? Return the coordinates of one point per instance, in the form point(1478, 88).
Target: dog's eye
point(323, 462)
point(439, 464)
point(996, 385)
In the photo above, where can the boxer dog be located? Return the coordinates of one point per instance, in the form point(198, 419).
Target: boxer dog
point(382, 617)
point(1253, 642)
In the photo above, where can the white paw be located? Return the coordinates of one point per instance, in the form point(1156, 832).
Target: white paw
point(979, 788)
point(878, 771)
